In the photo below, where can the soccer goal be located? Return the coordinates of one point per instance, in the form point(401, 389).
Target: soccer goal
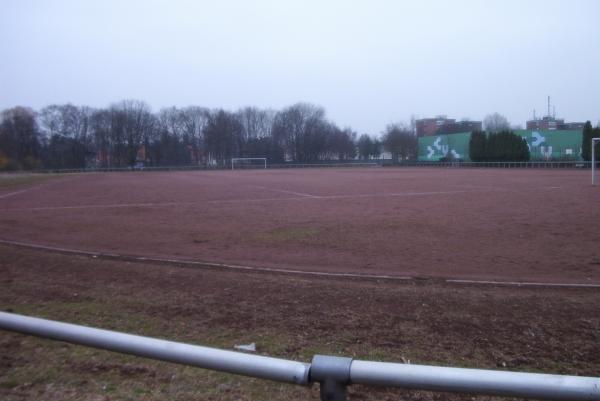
point(248, 162)
point(594, 156)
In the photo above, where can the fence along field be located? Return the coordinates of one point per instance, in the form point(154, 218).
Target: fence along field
point(307, 200)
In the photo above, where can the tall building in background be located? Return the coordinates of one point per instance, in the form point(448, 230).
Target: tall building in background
point(441, 125)
point(549, 122)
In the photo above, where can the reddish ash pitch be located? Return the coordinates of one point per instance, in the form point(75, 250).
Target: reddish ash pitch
point(481, 224)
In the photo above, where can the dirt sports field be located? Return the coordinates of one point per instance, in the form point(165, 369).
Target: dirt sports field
point(400, 262)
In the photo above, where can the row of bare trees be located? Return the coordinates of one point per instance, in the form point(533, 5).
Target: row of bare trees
point(128, 133)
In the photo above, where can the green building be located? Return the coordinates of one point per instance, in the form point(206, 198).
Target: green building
point(543, 145)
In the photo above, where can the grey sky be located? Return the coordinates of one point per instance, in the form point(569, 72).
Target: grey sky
point(368, 63)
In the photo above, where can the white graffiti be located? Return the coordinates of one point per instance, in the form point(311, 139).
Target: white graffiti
point(538, 139)
point(444, 150)
point(436, 145)
point(546, 151)
point(430, 152)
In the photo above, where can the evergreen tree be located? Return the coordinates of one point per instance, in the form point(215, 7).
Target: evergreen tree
point(586, 141)
point(477, 145)
point(505, 146)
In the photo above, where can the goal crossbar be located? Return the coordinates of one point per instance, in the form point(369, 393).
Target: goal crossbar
point(248, 159)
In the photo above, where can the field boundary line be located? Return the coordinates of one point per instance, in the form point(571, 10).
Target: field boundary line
point(522, 283)
point(199, 264)
point(108, 206)
point(308, 273)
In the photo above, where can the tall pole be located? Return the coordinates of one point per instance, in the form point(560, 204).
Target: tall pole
point(594, 161)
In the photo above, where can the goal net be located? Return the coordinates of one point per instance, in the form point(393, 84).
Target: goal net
point(248, 162)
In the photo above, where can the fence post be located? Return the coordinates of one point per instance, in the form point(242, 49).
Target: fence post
point(333, 374)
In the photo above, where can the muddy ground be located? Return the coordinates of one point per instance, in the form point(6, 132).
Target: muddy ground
point(554, 330)
point(478, 224)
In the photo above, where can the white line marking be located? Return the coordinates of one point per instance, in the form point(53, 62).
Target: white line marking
point(14, 193)
point(400, 194)
point(109, 206)
point(301, 196)
point(201, 264)
point(286, 271)
point(283, 191)
point(521, 283)
point(62, 179)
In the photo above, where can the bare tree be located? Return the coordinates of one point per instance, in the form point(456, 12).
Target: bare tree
point(495, 122)
point(301, 131)
point(100, 130)
point(343, 143)
point(400, 141)
point(222, 137)
point(19, 139)
point(66, 131)
point(194, 120)
point(365, 147)
point(257, 123)
point(131, 129)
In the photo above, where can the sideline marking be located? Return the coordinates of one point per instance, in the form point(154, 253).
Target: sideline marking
point(14, 193)
point(198, 264)
point(521, 283)
point(192, 263)
point(109, 206)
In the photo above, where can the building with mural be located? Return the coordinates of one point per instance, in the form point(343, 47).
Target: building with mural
point(543, 145)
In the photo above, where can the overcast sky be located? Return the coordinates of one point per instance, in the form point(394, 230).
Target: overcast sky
point(368, 62)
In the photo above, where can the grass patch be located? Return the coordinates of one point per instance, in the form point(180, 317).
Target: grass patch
point(287, 317)
point(9, 384)
point(23, 180)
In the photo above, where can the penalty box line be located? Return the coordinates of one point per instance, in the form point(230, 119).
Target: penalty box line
point(284, 191)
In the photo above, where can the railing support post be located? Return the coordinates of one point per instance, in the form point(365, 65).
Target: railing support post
point(333, 375)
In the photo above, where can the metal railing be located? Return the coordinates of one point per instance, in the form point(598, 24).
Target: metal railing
point(333, 374)
point(324, 164)
point(506, 164)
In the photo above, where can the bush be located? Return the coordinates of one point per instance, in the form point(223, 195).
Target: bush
point(498, 147)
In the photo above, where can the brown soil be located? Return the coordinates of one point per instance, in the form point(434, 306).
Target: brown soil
point(532, 329)
point(481, 224)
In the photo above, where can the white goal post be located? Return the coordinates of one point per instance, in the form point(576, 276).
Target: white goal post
point(594, 140)
point(260, 162)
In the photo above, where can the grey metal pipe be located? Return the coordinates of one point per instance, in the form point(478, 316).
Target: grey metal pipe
point(324, 369)
point(203, 357)
point(476, 381)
